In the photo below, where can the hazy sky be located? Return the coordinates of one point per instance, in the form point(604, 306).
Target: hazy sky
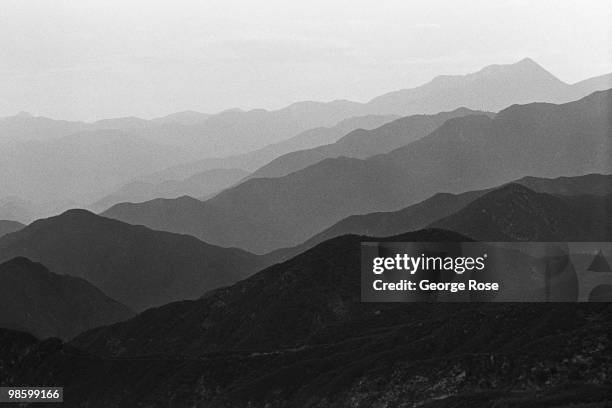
point(90, 59)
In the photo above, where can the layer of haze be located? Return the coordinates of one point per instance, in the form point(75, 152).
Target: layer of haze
point(92, 59)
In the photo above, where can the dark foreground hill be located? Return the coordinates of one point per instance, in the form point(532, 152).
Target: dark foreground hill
point(51, 305)
point(468, 153)
point(286, 305)
point(134, 265)
point(296, 334)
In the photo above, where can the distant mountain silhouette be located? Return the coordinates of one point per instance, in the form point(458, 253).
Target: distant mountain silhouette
point(183, 118)
point(469, 153)
point(15, 208)
point(442, 205)
point(235, 131)
point(132, 264)
point(590, 85)
point(492, 88)
point(227, 133)
point(36, 144)
point(199, 185)
point(50, 305)
point(25, 127)
point(91, 161)
point(124, 123)
point(253, 160)
point(516, 213)
point(361, 143)
point(6, 227)
point(81, 166)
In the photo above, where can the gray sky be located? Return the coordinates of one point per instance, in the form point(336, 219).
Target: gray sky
point(91, 59)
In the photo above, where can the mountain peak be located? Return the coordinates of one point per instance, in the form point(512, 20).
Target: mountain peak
point(524, 66)
point(527, 61)
point(77, 212)
point(524, 70)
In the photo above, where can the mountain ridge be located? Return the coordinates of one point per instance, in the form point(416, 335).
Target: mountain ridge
point(51, 305)
point(361, 143)
point(135, 265)
point(468, 153)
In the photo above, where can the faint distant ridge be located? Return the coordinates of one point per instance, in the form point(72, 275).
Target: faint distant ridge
point(494, 87)
point(184, 118)
point(203, 184)
point(490, 89)
point(362, 143)
point(14, 208)
point(251, 161)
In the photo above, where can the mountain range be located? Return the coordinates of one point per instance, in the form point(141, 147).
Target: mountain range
point(297, 334)
point(467, 153)
point(16, 209)
point(362, 143)
point(200, 185)
point(251, 161)
point(491, 89)
point(591, 187)
point(79, 168)
point(49, 305)
point(516, 213)
point(29, 143)
point(134, 265)
point(167, 302)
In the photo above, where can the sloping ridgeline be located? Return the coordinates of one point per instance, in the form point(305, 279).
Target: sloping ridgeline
point(297, 335)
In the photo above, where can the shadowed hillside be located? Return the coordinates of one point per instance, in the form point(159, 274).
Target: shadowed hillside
point(51, 305)
point(296, 334)
point(137, 266)
point(442, 205)
point(516, 213)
